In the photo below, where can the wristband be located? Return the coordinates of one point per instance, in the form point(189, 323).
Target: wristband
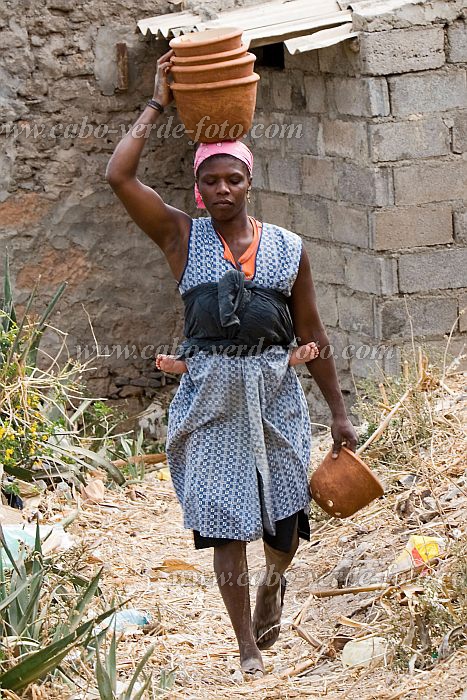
point(155, 105)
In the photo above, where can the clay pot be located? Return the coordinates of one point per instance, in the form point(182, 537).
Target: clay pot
point(210, 57)
point(207, 41)
point(215, 72)
point(217, 111)
point(344, 485)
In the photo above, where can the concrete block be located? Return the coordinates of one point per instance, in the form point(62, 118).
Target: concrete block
point(427, 317)
point(284, 175)
point(315, 93)
point(339, 59)
point(327, 303)
point(430, 182)
point(359, 97)
point(339, 342)
point(393, 14)
point(435, 269)
point(457, 43)
point(310, 217)
point(459, 133)
point(275, 208)
point(371, 273)
point(327, 261)
point(262, 90)
point(306, 62)
point(260, 180)
point(418, 138)
point(370, 359)
point(435, 91)
point(361, 185)
point(463, 312)
point(300, 134)
point(298, 91)
point(356, 312)
point(460, 226)
point(281, 90)
point(402, 50)
point(349, 225)
point(409, 227)
point(267, 130)
point(318, 177)
point(348, 139)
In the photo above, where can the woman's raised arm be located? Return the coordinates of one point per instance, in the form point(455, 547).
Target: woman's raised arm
point(167, 226)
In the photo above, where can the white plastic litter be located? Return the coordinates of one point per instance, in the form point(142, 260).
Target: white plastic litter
point(365, 652)
point(53, 539)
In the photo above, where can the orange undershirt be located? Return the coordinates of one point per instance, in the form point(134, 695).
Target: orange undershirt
point(247, 260)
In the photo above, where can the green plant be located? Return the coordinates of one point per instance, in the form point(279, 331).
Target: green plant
point(41, 410)
point(43, 614)
point(106, 674)
point(134, 448)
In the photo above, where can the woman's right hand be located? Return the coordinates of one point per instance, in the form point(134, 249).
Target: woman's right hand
point(162, 92)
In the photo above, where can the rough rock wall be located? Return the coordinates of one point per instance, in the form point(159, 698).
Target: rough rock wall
point(62, 116)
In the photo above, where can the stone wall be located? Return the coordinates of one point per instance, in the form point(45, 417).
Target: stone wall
point(62, 115)
point(377, 184)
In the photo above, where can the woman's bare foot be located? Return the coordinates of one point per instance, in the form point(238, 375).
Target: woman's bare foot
point(304, 353)
point(268, 612)
point(251, 661)
point(168, 363)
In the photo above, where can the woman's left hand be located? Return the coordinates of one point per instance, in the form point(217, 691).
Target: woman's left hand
point(342, 431)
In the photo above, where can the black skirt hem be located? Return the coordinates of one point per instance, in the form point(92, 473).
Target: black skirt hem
point(282, 540)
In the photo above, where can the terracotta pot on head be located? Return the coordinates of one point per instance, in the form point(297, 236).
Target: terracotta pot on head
point(217, 111)
point(343, 486)
point(207, 41)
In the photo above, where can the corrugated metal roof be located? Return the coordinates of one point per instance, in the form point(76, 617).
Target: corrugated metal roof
point(319, 40)
point(267, 23)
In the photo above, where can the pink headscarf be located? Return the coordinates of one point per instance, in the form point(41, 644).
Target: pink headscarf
point(237, 149)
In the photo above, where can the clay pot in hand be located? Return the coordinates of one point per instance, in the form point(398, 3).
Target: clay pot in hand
point(214, 72)
point(217, 111)
point(210, 57)
point(344, 485)
point(207, 41)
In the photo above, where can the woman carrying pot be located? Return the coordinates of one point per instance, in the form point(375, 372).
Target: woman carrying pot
point(238, 441)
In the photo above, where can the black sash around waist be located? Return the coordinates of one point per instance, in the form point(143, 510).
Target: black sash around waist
point(235, 317)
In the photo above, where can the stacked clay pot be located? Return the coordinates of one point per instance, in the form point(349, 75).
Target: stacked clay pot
point(214, 84)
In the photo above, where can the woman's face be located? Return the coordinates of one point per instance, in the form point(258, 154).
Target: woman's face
point(223, 182)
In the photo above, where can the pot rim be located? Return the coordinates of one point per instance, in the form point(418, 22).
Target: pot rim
point(186, 40)
point(358, 460)
point(197, 87)
point(217, 66)
point(220, 57)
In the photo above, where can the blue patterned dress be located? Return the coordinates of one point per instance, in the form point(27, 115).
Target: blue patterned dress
point(238, 442)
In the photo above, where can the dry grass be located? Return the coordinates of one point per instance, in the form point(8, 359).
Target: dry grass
point(138, 537)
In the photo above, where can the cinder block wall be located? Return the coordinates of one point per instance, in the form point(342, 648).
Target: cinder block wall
point(377, 185)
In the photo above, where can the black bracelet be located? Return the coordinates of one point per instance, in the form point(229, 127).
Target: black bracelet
point(155, 105)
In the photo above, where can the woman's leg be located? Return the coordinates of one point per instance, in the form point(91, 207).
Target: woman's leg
point(231, 568)
point(268, 609)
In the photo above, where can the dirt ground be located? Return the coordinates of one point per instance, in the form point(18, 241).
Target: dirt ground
point(139, 539)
